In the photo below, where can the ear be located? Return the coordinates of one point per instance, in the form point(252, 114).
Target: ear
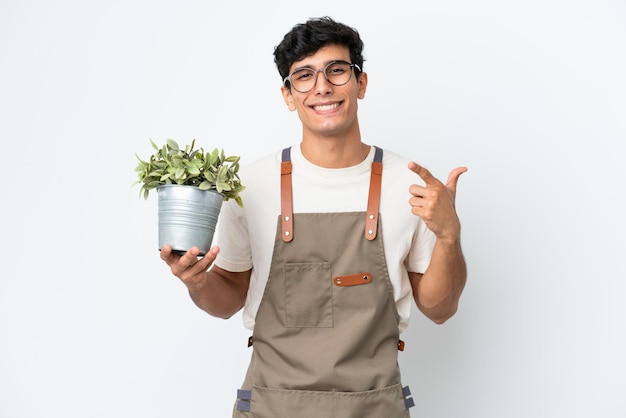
point(288, 98)
point(362, 85)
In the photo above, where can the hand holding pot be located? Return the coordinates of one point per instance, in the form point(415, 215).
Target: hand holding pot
point(189, 268)
point(218, 292)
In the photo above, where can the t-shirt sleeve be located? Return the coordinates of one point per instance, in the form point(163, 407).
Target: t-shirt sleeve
point(232, 238)
point(422, 249)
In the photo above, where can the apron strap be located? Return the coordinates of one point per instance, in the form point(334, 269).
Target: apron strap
point(373, 202)
point(286, 201)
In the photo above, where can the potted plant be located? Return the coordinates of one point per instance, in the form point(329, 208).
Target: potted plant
point(191, 185)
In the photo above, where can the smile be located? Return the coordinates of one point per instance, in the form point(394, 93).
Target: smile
point(326, 107)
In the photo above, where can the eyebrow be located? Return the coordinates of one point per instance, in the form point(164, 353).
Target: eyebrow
point(310, 67)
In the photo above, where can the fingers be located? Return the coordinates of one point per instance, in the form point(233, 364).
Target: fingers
point(186, 261)
point(430, 180)
point(168, 255)
point(189, 264)
point(435, 202)
point(424, 174)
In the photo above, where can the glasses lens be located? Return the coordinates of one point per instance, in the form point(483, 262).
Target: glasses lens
point(303, 79)
point(337, 73)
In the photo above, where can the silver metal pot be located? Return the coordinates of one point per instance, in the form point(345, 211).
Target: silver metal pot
point(187, 217)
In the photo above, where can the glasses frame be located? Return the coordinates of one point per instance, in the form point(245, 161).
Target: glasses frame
point(323, 71)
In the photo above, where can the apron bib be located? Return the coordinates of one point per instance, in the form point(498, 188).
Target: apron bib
point(325, 341)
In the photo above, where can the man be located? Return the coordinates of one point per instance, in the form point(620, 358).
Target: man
point(334, 241)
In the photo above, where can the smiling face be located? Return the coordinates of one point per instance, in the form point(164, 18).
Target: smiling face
point(327, 111)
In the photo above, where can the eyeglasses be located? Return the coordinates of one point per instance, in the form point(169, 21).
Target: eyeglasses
point(336, 73)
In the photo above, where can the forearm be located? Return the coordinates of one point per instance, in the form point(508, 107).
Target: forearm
point(221, 295)
point(438, 291)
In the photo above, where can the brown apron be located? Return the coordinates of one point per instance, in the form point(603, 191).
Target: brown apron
point(326, 334)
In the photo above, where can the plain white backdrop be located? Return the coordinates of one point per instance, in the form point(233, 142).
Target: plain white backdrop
point(530, 95)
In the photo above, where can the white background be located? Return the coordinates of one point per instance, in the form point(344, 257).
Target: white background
point(530, 95)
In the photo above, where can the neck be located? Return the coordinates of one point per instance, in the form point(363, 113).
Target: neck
point(334, 154)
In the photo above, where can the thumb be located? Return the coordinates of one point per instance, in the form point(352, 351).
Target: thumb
point(453, 177)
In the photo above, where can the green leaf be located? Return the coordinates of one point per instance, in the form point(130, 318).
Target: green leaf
point(152, 185)
point(213, 158)
point(210, 176)
point(173, 145)
point(194, 166)
point(223, 187)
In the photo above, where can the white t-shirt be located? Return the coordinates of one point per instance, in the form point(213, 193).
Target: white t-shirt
point(246, 235)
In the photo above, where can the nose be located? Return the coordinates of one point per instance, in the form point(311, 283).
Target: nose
point(322, 86)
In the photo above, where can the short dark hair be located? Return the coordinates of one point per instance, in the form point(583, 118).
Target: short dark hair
point(305, 39)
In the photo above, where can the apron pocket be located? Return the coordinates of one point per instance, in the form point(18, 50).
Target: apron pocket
point(308, 295)
point(280, 403)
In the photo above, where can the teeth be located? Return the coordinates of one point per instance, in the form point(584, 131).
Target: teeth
point(326, 107)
